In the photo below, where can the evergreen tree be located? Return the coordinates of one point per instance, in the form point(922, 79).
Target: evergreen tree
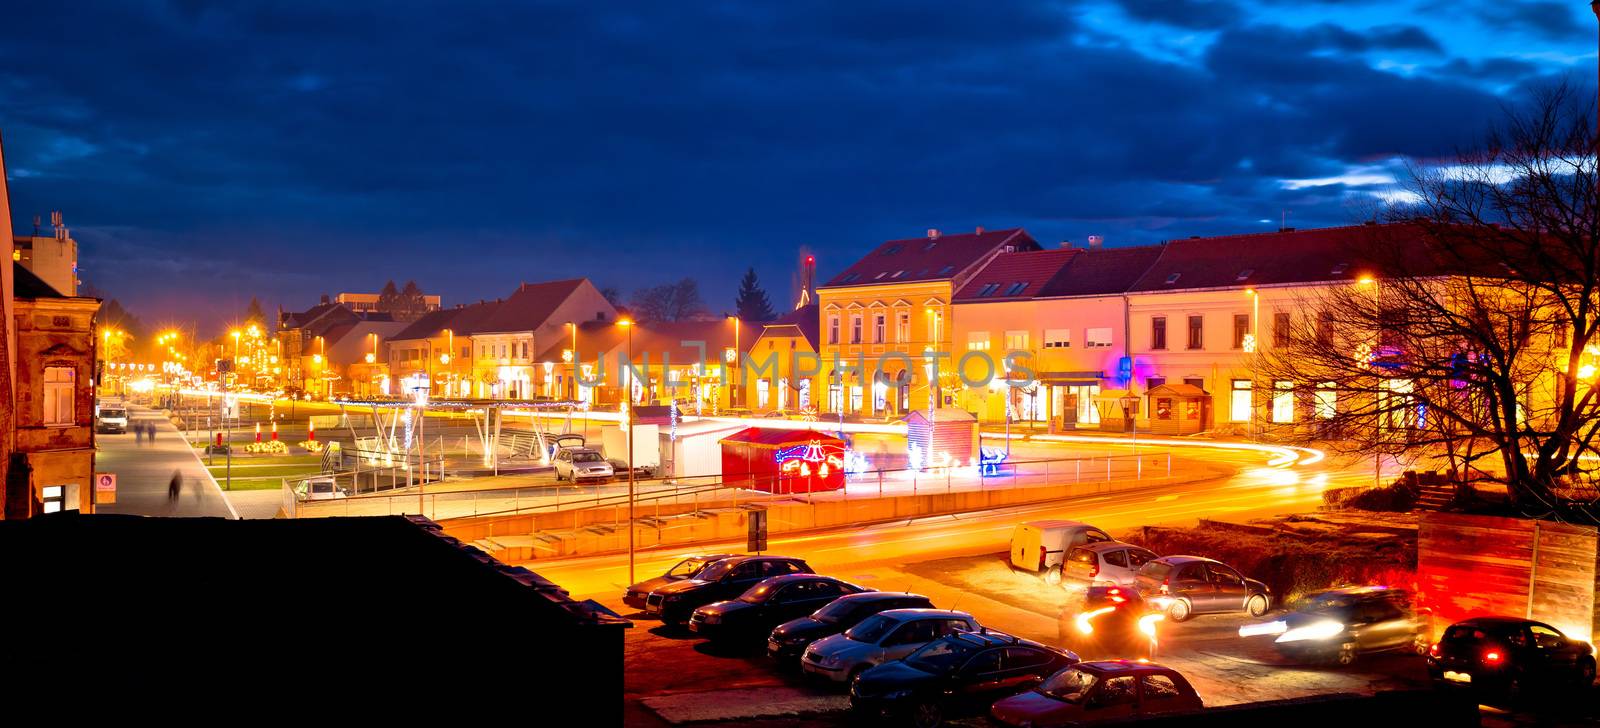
point(752, 304)
point(254, 314)
point(389, 298)
point(411, 303)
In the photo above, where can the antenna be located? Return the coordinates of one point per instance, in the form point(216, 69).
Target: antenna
point(36, 226)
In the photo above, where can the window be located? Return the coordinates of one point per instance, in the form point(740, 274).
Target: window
point(902, 326)
point(1239, 405)
point(1559, 335)
point(988, 289)
point(1173, 278)
point(855, 329)
point(1325, 328)
point(54, 498)
point(763, 392)
point(947, 270)
point(1097, 338)
point(1153, 382)
point(1283, 401)
point(1118, 691)
point(1158, 332)
point(1018, 658)
point(1016, 289)
point(1325, 402)
point(524, 349)
point(1016, 341)
point(1197, 332)
point(879, 324)
point(1241, 329)
point(58, 396)
point(891, 250)
point(1280, 329)
point(1159, 687)
point(1057, 338)
point(977, 341)
point(1244, 275)
point(833, 329)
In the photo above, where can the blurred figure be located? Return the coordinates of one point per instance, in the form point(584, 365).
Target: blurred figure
point(138, 432)
point(150, 432)
point(175, 488)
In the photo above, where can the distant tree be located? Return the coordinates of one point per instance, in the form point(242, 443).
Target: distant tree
point(752, 303)
point(388, 298)
point(613, 296)
point(254, 314)
point(668, 302)
point(411, 304)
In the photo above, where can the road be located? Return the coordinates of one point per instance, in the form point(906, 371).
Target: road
point(144, 472)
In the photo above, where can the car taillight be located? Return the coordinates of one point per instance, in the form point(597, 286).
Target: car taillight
point(1164, 589)
point(1491, 657)
point(1094, 568)
point(1433, 649)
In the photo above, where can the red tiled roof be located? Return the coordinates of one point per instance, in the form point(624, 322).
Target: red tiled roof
point(1296, 256)
point(463, 321)
point(1103, 272)
point(654, 339)
point(530, 307)
point(806, 319)
point(929, 259)
point(1010, 276)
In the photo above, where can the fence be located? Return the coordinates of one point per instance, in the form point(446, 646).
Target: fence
point(658, 498)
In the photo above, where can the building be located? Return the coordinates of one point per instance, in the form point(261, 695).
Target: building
point(324, 350)
point(880, 316)
point(53, 465)
point(694, 363)
point(368, 302)
point(1061, 315)
point(489, 350)
point(53, 258)
point(783, 371)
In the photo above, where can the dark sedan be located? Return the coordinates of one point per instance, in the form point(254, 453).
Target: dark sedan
point(724, 579)
point(789, 640)
point(962, 674)
point(685, 569)
point(766, 605)
point(1507, 654)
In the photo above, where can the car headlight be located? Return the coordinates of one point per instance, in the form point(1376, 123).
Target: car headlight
point(711, 617)
point(829, 661)
point(670, 598)
point(1315, 631)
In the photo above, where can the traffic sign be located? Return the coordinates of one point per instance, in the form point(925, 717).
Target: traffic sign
point(105, 488)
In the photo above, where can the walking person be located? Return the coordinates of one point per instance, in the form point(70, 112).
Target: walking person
point(138, 432)
point(175, 487)
point(150, 432)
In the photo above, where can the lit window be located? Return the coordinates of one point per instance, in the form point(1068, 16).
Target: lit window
point(763, 392)
point(902, 327)
point(59, 397)
point(1239, 405)
point(1326, 402)
point(1016, 341)
point(1097, 338)
point(1283, 401)
point(977, 341)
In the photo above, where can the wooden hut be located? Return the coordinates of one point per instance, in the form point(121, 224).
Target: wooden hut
point(1178, 409)
point(949, 431)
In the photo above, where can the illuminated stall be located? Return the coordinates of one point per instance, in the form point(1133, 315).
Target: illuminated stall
point(783, 461)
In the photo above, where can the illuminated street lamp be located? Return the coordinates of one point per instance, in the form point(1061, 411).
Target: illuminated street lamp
point(627, 324)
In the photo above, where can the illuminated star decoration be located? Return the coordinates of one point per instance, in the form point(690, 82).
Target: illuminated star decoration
point(802, 459)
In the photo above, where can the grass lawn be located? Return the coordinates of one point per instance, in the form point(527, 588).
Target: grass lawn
point(263, 472)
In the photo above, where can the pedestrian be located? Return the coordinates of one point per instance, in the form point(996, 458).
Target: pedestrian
point(151, 433)
point(138, 432)
point(175, 488)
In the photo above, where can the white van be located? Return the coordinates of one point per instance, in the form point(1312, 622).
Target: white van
point(1042, 546)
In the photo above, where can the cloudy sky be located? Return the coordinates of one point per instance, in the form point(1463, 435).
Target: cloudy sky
point(202, 154)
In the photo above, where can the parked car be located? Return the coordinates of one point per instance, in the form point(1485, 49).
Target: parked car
point(1107, 563)
point(577, 464)
point(322, 487)
point(790, 639)
point(958, 675)
point(1509, 654)
point(1184, 586)
point(1340, 624)
point(766, 605)
point(111, 420)
point(883, 637)
point(725, 579)
point(685, 569)
point(1093, 692)
point(1042, 546)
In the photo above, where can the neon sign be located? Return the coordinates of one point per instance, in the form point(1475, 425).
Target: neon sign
point(805, 459)
point(990, 459)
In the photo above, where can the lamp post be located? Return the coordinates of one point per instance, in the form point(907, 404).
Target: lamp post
point(628, 402)
point(1250, 346)
point(572, 378)
point(729, 363)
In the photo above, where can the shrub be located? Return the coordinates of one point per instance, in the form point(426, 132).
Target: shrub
point(1395, 497)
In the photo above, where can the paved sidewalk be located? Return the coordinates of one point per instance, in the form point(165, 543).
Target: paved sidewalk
point(144, 472)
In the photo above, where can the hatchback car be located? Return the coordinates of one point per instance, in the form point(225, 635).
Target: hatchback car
point(1509, 654)
point(1340, 624)
point(880, 638)
point(789, 640)
point(577, 464)
point(725, 579)
point(766, 605)
point(955, 676)
point(1092, 692)
point(1184, 586)
point(685, 569)
point(1107, 563)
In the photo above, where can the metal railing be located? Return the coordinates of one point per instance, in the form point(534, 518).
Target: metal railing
point(1074, 476)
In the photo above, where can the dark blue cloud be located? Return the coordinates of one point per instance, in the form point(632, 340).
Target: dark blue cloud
point(291, 149)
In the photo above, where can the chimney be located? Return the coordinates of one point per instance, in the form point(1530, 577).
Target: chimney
point(933, 233)
point(980, 230)
point(1066, 245)
point(1095, 241)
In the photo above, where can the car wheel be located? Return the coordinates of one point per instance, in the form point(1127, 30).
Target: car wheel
point(927, 714)
point(1585, 676)
point(1053, 576)
point(1347, 654)
point(1178, 611)
point(1256, 606)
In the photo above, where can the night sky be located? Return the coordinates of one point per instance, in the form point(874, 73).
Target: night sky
point(204, 154)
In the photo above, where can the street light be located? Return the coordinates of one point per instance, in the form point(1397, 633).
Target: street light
point(729, 363)
point(627, 324)
point(1252, 343)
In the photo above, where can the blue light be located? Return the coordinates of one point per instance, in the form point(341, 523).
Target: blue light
point(989, 460)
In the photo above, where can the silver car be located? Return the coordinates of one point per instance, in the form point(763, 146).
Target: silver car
point(581, 463)
point(881, 638)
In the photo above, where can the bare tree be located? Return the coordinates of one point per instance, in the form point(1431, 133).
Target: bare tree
point(668, 302)
point(1472, 335)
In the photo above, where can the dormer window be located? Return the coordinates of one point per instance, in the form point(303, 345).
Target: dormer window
point(1016, 288)
point(1245, 274)
point(947, 270)
point(988, 290)
point(1173, 278)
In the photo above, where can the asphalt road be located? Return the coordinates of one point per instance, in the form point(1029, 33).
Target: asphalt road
point(144, 472)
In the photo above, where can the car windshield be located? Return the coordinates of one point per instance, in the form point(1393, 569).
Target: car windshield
point(687, 567)
point(758, 593)
point(586, 457)
point(871, 629)
point(1070, 685)
point(113, 413)
point(837, 611)
point(715, 571)
point(940, 656)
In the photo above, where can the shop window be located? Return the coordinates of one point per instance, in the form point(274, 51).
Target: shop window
point(1239, 404)
point(1283, 401)
point(1326, 401)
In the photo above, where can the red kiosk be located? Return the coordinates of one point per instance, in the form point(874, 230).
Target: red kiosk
point(783, 461)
